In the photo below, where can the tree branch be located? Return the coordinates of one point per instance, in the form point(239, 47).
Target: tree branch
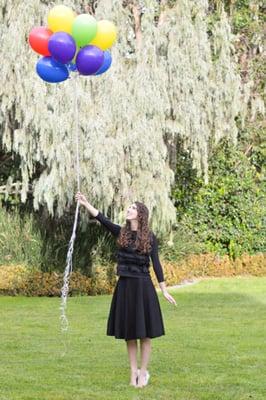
point(134, 7)
point(162, 13)
point(15, 186)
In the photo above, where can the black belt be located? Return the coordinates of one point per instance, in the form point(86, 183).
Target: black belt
point(133, 268)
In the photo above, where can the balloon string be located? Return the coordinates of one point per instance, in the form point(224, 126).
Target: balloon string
point(76, 120)
point(68, 269)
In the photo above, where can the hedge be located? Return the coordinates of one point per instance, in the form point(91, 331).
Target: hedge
point(19, 280)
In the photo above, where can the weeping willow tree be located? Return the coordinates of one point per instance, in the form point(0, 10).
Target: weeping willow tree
point(169, 79)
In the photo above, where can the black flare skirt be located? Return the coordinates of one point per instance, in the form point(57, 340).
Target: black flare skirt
point(135, 311)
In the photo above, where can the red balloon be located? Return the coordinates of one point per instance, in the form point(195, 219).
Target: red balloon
point(38, 40)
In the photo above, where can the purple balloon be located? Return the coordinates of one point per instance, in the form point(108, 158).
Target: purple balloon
point(89, 60)
point(62, 47)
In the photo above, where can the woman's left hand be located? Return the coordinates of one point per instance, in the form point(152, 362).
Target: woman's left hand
point(169, 298)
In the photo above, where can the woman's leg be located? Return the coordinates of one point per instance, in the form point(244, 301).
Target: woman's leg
point(132, 348)
point(145, 347)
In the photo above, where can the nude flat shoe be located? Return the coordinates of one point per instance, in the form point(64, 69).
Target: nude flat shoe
point(147, 377)
point(136, 382)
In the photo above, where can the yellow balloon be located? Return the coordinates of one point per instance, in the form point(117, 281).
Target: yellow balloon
point(105, 36)
point(60, 19)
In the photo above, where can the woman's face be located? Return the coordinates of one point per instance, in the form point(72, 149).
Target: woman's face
point(132, 212)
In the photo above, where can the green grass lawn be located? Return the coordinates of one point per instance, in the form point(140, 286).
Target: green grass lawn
point(214, 347)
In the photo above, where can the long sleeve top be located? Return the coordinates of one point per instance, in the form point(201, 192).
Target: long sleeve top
point(134, 257)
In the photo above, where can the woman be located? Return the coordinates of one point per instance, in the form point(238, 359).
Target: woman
point(135, 310)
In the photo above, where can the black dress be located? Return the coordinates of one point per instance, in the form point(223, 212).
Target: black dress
point(135, 311)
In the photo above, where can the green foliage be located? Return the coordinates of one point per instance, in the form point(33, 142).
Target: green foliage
point(242, 15)
point(187, 182)
point(9, 164)
point(245, 15)
point(20, 240)
point(9, 167)
point(228, 213)
point(182, 242)
point(92, 243)
point(40, 241)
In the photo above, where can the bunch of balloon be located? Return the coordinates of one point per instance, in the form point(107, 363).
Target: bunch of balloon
point(75, 44)
point(72, 43)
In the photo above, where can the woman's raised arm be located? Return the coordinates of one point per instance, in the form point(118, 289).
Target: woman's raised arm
point(113, 228)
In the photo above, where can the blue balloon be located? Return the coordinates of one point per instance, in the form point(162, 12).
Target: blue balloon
point(71, 67)
point(51, 70)
point(107, 61)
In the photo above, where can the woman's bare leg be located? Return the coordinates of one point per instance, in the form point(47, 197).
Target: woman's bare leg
point(132, 348)
point(145, 347)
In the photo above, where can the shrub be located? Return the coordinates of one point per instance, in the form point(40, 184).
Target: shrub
point(18, 280)
point(228, 213)
point(20, 240)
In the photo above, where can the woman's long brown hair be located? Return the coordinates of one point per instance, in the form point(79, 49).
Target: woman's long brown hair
point(143, 243)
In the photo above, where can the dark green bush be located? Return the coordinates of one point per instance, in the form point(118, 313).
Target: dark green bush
point(228, 213)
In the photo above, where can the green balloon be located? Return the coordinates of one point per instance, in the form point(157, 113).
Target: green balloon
point(84, 29)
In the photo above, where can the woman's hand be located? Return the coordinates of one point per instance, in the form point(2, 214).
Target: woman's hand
point(169, 298)
point(81, 198)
